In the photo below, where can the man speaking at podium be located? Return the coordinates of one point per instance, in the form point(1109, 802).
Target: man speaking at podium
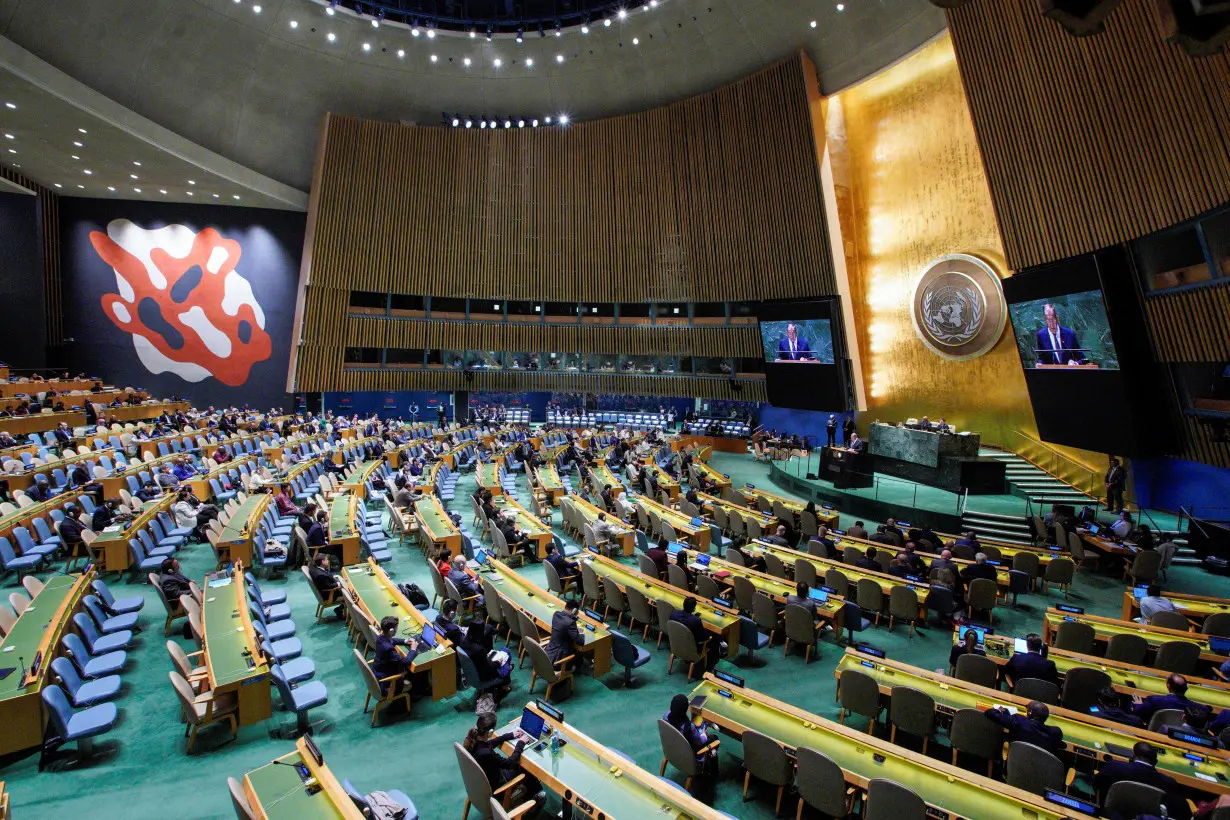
point(792, 348)
point(1057, 345)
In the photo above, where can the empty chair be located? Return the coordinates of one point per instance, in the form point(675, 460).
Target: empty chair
point(805, 572)
point(1128, 648)
point(300, 698)
point(108, 625)
point(1037, 689)
point(981, 596)
point(92, 666)
point(978, 669)
point(913, 712)
point(1059, 571)
point(239, 800)
point(100, 644)
point(615, 600)
point(706, 587)
point(821, 784)
point(32, 585)
point(766, 760)
point(1217, 624)
point(889, 800)
point(836, 579)
point(628, 655)
point(7, 619)
point(1080, 688)
point(646, 565)
point(1035, 770)
point(84, 693)
point(1074, 636)
point(18, 602)
point(902, 606)
point(1132, 799)
point(974, 733)
point(639, 609)
point(400, 798)
point(1169, 619)
point(1164, 718)
point(80, 726)
point(122, 606)
point(870, 597)
point(203, 709)
point(859, 694)
point(1144, 568)
point(1177, 656)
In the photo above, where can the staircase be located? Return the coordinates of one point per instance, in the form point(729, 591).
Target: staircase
point(1034, 483)
point(1010, 529)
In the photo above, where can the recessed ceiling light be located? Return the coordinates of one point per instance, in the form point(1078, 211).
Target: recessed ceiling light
point(606, 23)
point(134, 176)
point(401, 52)
point(813, 23)
point(466, 61)
point(434, 58)
point(79, 185)
point(331, 37)
point(585, 29)
point(74, 156)
point(294, 24)
point(559, 58)
point(215, 196)
point(529, 62)
point(83, 131)
point(841, 6)
point(431, 34)
point(162, 190)
point(58, 185)
point(190, 193)
point(375, 23)
point(623, 13)
point(473, 34)
point(88, 172)
point(256, 9)
point(563, 119)
point(414, 32)
point(547, 120)
point(134, 162)
point(78, 144)
point(329, 11)
point(636, 41)
point(8, 136)
point(12, 151)
point(10, 105)
point(234, 196)
point(192, 182)
point(497, 62)
point(138, 190)
point(110, 187)
point(367, 46)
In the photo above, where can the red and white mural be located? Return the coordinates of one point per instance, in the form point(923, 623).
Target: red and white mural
point(183, 301)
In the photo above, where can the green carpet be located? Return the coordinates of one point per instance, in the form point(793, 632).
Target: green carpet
point(141, 770)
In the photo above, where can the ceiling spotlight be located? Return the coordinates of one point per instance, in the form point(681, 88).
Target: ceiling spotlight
point(331, 37)
point(190, 193)
point(469, 123)
point(294, 24)
point(414, 30)
point(215, 196)
point(653, 4)
point(559, 58)
point(401, 52)
point(558, 31)
point(466, 62)
point(134, 176)
point(520, 35)
point(76, 157)
point(813, 23)
point(8, 136)
point(434, 58)
point(473, 34)
point(58, 185)
point(623, 14)
point(12, 150)
point(88, 172)
point(456, 122)
point(482, 123)
point(520, 123)
point(488, 34)
point(138, 190)
point(367, 46)
point(497, 62)
point(529, 62)
point(534, 123)
point(547, 120)
point(636, 41)
point(79, 145)
point(83, 131)
point(82, 187)
point(563, 119)
point(192, 182)
point(234, 196)
point(110, 187)
point(256, 9)
point(431, 33)
point(585, 28)
point(329, 11)
point(493, 123)
point(841, 6)
point(134, 162)
point(162, 190)
point(508, 123)
point(375, 23)
point(606, 23)
point(10, 105)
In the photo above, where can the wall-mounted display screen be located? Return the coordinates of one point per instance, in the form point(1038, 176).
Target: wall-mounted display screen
point(798, 340)
point(1067, 330)
point(804, 354)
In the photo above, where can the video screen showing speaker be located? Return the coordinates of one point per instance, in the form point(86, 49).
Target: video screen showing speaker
point(1084, 344)
point(804, 353)
point(798, 340)
point(1064, 330)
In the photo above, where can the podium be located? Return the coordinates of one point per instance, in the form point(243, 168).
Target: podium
point(845, 468)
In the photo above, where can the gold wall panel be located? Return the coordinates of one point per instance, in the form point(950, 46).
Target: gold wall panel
point(1091, 141)
point(714, 198)
point(366, 331)
point(910, 188)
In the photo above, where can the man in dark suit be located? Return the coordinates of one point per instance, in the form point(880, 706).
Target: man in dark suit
point(1116, 477)
point(1030, 727)
point(868, 561)
point(856, 444)
point(1175, 698)
point(792, 348)
point(1108, 708)
point(1057, 344)
point(608, 498)
point(979, 569)
point(1142, 768)
point(1031, 664)
point(688, 617)
point(830, 429)
point(565, 637)
point(567, 570)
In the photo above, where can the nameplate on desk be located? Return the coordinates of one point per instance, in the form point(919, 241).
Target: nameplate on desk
point(733, 680)
point(1187, 737)
point(1075, 610)
point(868, 649)
point(549, 710)
point(257, 679)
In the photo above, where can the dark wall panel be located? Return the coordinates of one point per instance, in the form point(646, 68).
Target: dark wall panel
point(22, 329)
point(207, 317)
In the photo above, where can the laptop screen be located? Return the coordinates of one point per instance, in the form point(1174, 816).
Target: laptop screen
point(1219, 645)
point(1140, 592)
point(532, 723)
point(818, 595)
point(697, 522)
point(480, 556)
point(429, 635)
point(1019, 645)
point(980, 631)
point(703, 560)
point(673, 547)
point(1094, 529)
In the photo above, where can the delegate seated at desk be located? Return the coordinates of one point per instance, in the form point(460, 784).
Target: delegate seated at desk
point(792, 348)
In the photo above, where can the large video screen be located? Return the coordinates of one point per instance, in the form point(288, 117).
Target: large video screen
point(798, 340)
point(804, 354)
point(1067, 330)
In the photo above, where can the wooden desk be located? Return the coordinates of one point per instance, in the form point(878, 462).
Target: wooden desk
point(200, 484)
point(276, 792)
point(587, 774)
point(721, 480)
point(601, 476)
point(1107, 546)
point(626, 539)
point(666, 484)
point(1105, 628)
point(517, 591)
point(1002, 568)
point(435, 526)
point(697, 537)
point(240, 530)
point(356, 482)
point(379, 597)
point(36, 634)
point(22, 515)
point(853, 574)
point(752, 495)
point(534, 528)
point(550, 482)
point(955, 792)
point(488, 475)
point(720, 620)
point(41, 422)
point(138, 412)
point(1085, 735)
point(30, 388)
point(343, 533)
point(233, 658)
point(710, 502)
point(111, 545)
point(1194, 607)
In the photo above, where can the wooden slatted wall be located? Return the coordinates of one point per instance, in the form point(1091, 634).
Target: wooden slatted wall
point(1192, 325)
point(1090, 141)
point(49, 251)
point(714, 198)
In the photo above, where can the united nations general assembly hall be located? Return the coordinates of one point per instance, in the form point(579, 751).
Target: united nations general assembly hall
point(615, 409)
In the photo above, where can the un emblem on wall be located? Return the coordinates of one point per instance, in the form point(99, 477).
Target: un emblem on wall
point(958, 307)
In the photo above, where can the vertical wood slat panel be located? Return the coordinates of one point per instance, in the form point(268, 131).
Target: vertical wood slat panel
point(1191, 325)
point(711, 199)
point(53, 275)
point(1090, 141)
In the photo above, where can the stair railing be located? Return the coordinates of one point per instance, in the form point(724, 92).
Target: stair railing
point(1065, 468)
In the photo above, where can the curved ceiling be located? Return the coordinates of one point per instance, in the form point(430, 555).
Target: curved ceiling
point(253, 85)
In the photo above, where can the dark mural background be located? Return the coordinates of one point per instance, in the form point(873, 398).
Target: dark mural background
point(201, 321)
point(22, 326)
